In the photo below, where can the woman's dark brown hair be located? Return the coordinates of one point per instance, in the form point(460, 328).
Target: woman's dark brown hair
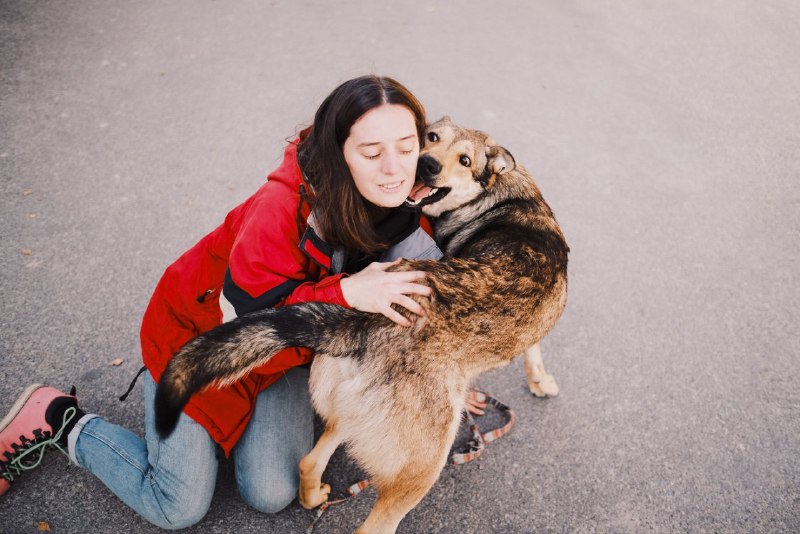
point(341, 212)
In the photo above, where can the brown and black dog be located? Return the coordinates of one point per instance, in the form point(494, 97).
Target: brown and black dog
point(395, 395)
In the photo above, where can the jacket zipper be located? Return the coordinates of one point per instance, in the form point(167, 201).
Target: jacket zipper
point(202, 298)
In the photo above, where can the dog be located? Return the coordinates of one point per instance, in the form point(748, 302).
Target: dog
point(395, 395)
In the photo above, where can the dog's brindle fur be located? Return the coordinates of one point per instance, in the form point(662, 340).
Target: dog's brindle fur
point(395, 395)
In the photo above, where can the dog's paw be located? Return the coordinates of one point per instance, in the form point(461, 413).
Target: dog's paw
point(312, 497)
point(540, 383)
point(545, 387)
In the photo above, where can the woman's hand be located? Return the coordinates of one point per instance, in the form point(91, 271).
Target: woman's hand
point(475, 406)
point(375, 290)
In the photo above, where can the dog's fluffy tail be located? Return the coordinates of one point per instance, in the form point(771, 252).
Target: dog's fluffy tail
point(225, 354)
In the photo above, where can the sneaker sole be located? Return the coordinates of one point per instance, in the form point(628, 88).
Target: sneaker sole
point(20, 402)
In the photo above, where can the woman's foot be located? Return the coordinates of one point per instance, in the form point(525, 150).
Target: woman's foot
point(40, 418)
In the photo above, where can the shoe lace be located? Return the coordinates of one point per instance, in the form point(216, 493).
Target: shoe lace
point(30, 454)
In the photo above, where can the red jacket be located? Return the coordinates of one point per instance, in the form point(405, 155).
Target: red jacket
point(259, 246)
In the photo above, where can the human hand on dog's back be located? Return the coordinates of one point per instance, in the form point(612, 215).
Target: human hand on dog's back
point(373, 289)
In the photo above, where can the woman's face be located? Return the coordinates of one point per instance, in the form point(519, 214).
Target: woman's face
point(382, 152)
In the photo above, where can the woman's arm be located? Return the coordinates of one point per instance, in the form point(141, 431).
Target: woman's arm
point(267, 268)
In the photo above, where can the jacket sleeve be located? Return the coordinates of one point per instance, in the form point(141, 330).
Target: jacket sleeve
point(266, 267)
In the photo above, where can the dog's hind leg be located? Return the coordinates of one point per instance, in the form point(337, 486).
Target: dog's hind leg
point(312, 491)
point(397, 497)
point(540, 383)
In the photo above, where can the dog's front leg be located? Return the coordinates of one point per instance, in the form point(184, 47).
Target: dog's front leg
point(312, 491)
point(540, 383)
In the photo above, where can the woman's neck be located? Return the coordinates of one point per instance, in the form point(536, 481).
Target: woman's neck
point(377, 214)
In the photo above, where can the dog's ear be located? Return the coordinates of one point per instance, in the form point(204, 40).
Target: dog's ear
point(499, 160)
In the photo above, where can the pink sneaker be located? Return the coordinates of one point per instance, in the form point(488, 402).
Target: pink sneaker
point(41, 417)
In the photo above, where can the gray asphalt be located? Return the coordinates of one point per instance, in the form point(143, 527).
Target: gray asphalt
point(665, 135)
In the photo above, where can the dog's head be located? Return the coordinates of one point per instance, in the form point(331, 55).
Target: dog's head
point(456, 166)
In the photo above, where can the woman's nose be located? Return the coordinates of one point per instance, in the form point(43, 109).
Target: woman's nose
point(390, 163)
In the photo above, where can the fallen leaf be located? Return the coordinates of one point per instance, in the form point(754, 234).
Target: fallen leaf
point(44, 526)
point(26, 252)
point(117, 361)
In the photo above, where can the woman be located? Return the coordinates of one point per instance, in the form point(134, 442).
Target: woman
point(334, 206)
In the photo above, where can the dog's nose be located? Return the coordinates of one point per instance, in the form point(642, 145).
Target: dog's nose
point(428, 167)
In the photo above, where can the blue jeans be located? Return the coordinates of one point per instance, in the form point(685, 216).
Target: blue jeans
point(170, 481)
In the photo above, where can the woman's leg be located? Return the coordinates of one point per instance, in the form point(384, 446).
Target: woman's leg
point(169, 482)
point(279, 434)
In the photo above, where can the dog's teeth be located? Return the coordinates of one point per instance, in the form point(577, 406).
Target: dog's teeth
point(433, 192)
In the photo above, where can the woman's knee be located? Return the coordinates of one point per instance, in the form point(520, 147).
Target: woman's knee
point(180, 514)
point(180, 498)
point(271, 497)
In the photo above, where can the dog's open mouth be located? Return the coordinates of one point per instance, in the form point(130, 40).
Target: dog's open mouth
point(422, 194)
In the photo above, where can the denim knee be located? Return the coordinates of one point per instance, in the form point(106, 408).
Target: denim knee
point(269, 498)
point(182, 504)
point(184, 514)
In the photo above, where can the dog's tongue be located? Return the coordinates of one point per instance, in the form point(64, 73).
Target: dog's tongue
point(419, 191)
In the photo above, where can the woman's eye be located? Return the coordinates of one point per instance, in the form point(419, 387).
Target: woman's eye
point(432, 137)
point(376, 156)
point(407, 152)
point(465, 161)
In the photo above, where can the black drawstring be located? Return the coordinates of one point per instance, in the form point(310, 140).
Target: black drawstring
point(298, 220)
point(133, 383)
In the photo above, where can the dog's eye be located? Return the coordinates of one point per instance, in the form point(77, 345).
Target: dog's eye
point(465, 161)
point(432, 137)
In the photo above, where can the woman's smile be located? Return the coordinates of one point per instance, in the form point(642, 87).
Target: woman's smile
point(392, 187)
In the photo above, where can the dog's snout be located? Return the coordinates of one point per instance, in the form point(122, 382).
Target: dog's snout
point(428, 167)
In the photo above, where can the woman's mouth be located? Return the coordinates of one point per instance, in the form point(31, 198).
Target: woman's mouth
point(393, 187)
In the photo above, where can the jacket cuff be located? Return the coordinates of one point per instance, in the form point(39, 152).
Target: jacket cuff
point(331, 291)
